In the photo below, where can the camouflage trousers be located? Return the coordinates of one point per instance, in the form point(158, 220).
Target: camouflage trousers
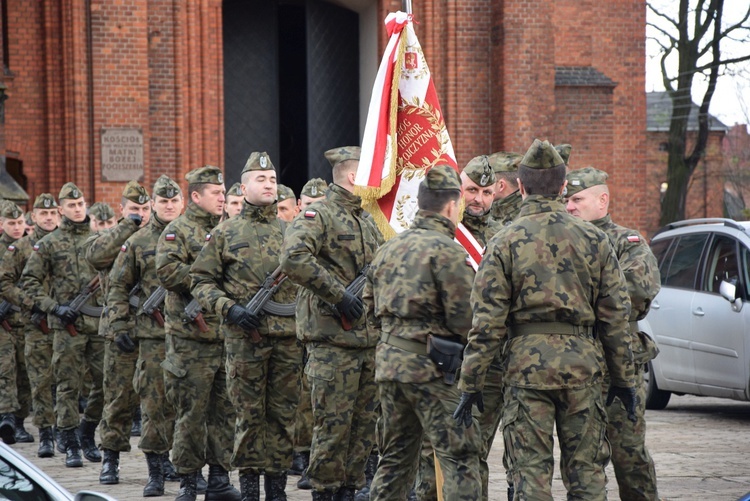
point(263, 385)
point(38, 354)
point(157, 414)
point(345, 408)
point(303, 419)
point(120, 398)
point(195, 381)
point(529, 418)
point(634, 467)
point(71, 355)
point(15, 396)
point(412, 411)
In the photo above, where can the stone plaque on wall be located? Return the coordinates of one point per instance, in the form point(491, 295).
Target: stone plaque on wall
point(122, 154)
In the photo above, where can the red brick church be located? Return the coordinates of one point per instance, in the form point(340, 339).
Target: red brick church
point(103, 91)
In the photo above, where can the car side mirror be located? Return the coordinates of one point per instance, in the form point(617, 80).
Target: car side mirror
point(728, 291)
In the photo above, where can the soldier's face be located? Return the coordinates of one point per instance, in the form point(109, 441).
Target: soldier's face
point(47, 219)
point(73, 209)
point(167, 209)
point(211, 199)
point(260, 187)
point(287, 210)
point(14, 228)
point(589, 204)
point(234, 205)
point(304, 201)
point(478, 199)
point(98, 225)
point(143, 210)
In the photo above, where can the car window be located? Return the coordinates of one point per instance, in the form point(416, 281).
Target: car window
point(745, 253)
point(721, 263)
point(660, 248)
point(15, 486)
point(684, 262)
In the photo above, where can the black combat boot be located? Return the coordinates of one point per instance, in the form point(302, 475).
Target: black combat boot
point(187, 488)
point(170, 475)
point(200, 482)
point(511, 492)
point(59, 439)
point(22, 435)
point(250, 487)
point(323, 496)
point(46, 443)
point(345, 494)
point(72, 448)
point(88, 442)
point(275, 486)
point(137, 427)
point(110, 473)
point(370, 468)
point(219, 488)
point(8, 428)
point(155, 484)
point(299, 463)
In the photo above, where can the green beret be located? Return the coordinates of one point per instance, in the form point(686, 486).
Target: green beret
point(10, 210)
point(135, 193)
point(284, 193)
point(564, 151)
point(258, 160)
point(442, 177)
point(205, 175)
point(45, 201)
point(478, 169)
point(583, 179)
point(314, 188)
point(71, 191)
point(337, 155)
point(541, 155)
point(503, 161)
point(101, 212)
point(235, 190)
point(166, 187)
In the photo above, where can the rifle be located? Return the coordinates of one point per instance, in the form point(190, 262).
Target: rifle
point(194, 312)
point(6, 308)
point(259, 301)
point(133, 299)
point(152, 304)
point(80, 301)
point(356, 287)
point(39, 319)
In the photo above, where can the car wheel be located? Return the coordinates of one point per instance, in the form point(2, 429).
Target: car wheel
point(656, 399)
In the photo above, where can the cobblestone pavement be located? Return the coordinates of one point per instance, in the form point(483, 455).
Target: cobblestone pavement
point(701, 447)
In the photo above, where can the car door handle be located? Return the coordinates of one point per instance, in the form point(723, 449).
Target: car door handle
point(698, 312)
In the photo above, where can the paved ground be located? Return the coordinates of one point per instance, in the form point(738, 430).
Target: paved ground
point(701, 447)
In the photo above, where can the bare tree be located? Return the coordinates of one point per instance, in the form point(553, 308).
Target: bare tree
point(694, 33)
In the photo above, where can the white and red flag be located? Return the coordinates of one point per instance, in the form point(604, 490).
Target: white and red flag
point(405, 135)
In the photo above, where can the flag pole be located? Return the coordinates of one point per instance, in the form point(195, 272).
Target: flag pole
point(407, 6)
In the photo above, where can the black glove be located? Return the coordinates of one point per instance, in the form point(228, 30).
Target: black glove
point(35, 309)
point(241, 317)
point(123, 341)
point(351, 306)
point(137, 219)
point(463, 411)
point(65, 313)
point(626, 396)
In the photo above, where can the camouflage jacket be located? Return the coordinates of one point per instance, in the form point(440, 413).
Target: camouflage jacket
point(232, 266)
point(324, 250)
point(481, 227)
point(419, 284)
point(179, 245)
point(135, 264)
point(549, 267)
point(11, 268)
point(505, 210)
point(59, 261)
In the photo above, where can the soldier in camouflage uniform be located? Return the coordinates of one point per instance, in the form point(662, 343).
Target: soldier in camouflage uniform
point(119, 352)
point(564, 151)
point(15, 399)
point(101, 217)
point(425, 266)
point(287, 203)
point(263, 373)
point(588, 198)
point(235, 201)
point(130, 326)
point(324, 250)
point(37, 345)
point(313, 191)
point(507, 197)
point(55, 274)
point(195, 378)
point(548, 283)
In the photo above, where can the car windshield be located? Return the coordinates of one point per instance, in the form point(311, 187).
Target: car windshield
point(15, 486)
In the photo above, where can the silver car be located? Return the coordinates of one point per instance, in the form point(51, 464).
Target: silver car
point(699, 319)
point(20, 480)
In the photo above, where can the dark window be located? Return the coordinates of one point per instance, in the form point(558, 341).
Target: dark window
point(684, 262)
point(16, 486)
point(745, 258)
point(660, 248)
point(721, 264)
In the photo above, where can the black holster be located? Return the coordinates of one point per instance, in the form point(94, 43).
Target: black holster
point(447, 355)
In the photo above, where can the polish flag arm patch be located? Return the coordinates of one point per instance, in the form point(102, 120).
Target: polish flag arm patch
point(11, 248)
point(634, 238)
point(124, 248)
point(169, 237)
point(310, 214)
point(35, 248)
point(208, 237)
